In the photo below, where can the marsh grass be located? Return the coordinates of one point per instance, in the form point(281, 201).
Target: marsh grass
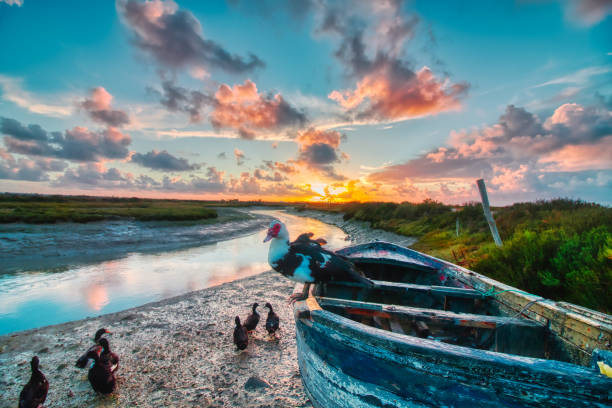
point(560, 249)
point(53, 209)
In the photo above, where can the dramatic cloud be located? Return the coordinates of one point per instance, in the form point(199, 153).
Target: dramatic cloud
point(520, 153)
point(239, 155)
point(263, 175)
point(94, 175)
point(242, 108)
point(179, 99)
point(27, 169)
point(174, 38)
point(78, 144)
point(12, 91)
point(279, 166)
point(163, 160)
point(212, 183)
point(395, 93)
point(388, 89)
point(319, 151)
point(98, 107)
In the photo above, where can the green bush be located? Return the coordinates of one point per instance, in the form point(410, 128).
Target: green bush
point(560, 249)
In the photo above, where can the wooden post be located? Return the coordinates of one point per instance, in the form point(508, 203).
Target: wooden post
point(487, 212)
point(457, 227)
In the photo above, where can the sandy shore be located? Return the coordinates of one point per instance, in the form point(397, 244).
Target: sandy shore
point(177, 352)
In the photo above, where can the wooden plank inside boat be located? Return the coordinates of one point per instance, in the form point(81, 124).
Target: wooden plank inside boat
point(440, 316)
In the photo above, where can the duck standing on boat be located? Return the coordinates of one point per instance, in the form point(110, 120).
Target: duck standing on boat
point(305, 261)
point(34, 393)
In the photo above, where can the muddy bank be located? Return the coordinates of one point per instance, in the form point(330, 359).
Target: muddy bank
point(33, 247)
point(177, 352)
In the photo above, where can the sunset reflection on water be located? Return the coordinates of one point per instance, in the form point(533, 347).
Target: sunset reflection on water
point(29, 300)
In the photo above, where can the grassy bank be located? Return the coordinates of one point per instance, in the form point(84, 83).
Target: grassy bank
point(52, 209)
point(559, 249)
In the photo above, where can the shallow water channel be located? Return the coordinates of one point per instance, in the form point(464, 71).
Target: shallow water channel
point(36, 298)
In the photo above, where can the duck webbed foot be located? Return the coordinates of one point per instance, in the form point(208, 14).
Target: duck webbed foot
point(295, 297)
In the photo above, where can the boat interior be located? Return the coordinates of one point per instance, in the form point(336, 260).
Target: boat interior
point(412, 300)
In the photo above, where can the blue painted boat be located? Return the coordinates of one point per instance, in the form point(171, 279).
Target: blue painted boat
point(434, 334)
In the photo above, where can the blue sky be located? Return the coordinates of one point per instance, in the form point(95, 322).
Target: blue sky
point(308, 100)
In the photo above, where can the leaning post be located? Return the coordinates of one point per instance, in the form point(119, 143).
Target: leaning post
point(487, 212)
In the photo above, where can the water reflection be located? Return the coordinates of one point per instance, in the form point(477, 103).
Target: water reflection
point(29, 300)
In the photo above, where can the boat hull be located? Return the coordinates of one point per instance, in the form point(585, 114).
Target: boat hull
point(341, 371)
point(345, 363)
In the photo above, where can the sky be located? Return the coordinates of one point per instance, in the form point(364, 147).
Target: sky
point(307, 100)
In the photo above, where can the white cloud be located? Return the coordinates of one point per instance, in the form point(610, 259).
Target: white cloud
point(12, 91)
point(174, 133)
point(578, 77)
point(18, 3)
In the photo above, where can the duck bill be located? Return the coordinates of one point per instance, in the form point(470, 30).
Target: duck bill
point(268, 237)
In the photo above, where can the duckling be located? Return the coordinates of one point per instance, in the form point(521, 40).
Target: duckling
point(82, 361)
point(251, 322)
point(107, 354)
point(34, 393)
point(100, 375)
point(272, 322)
point(241, 338)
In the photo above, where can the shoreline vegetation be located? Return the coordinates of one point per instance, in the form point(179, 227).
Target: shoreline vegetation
point(560, 249)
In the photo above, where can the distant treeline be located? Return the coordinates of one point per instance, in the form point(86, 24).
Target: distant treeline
point(560, 249)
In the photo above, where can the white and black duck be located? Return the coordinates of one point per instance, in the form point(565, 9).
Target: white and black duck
point(304, 260)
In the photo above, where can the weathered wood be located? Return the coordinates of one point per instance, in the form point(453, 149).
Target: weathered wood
point(577, 329)
point(431, 289)
point(438, 316)
point(395, 325)
point(346, 364)
point(406, 288)
point(342, 363)
point(421, 328)
point(487, 212)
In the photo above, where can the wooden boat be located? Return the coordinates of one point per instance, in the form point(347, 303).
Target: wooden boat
point(434, 334)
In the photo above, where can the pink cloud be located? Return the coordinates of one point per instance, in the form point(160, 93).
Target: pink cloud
point(384, 95)
point(244, 109)
point(580, 157)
